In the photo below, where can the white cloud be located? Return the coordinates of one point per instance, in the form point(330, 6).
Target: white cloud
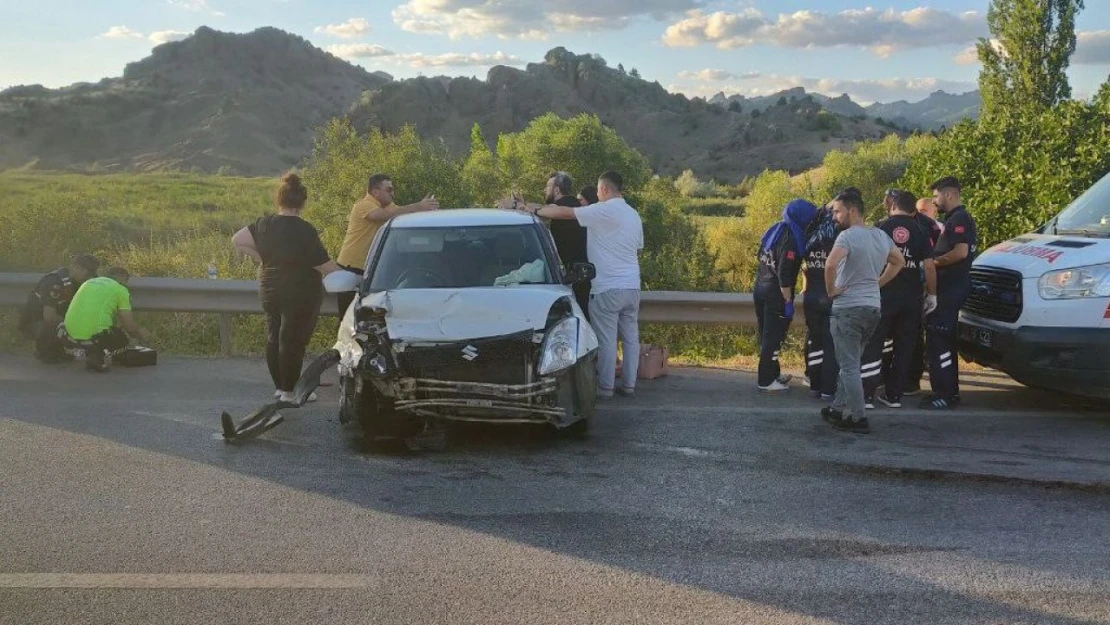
point(707, 74)
point(527, 18)
point(861, 91)
point(353, 27)
point(1092, 48)
point(456, 59)
point(881, 31)
point(970, 54)
point(196, 6)
point(165, 36)
point(358, 51)
point(121, 32)
point(710, 74)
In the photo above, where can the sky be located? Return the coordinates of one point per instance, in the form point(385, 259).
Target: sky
point(900, 49)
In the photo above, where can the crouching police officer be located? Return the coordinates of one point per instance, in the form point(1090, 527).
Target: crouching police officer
point(955, 251)
point(47, 304)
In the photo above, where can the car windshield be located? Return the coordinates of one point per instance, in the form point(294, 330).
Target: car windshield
point(1089, 214)
point(460, 257)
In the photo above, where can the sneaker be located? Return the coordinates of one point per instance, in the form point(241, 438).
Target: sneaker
point(287, 398)
point(312, 397)
point(936, 403)
point(891, 403)
point(828, 413)
point(857, 426)
point(826, 396)
point(785, 378)
point(97, 360)
point(910, 392)
point(869, 404)
point(774, 387)
point(277, 394)
point(815, 394)
point(627, 392)
point(603, 393)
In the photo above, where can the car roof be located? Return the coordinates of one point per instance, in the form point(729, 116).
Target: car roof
point(456, 217)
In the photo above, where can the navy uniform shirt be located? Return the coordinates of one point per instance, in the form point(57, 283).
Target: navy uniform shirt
point(914, 244)
point(959, 227)
point(779, 265)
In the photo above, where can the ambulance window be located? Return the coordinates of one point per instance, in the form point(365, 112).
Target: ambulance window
point(1089, 214)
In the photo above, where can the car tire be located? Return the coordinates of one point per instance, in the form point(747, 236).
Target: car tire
point(376, 416)
point(580, 398)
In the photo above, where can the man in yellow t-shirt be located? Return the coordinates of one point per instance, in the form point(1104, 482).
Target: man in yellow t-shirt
point(98, 308)
point(366, 218)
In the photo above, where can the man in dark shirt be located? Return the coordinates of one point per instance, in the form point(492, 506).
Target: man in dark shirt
point(780, 258)
point(954, 253)
point(926, 211)
point(902, 303)
point(569, 235)
point(47, 304)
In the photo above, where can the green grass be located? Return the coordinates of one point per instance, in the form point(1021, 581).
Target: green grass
point(714, 206)
point(174, 225)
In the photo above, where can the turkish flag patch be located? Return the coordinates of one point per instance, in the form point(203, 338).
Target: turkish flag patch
point(790, 255)
point(958, 229)
point(901, 235)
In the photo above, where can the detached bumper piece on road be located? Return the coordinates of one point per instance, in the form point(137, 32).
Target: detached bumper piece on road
point(268, 416)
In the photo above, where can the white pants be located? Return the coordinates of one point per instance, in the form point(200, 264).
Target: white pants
point(612, 313)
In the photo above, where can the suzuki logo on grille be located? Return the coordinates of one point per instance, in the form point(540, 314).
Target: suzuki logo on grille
point(469, 352)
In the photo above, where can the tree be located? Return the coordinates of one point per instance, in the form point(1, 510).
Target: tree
point(781, 102)
point(635, 73)
point(735, 106)
point(479, 172)
point(342, 159)
point(581, 146)
point(1024, 65)
point(620, 68)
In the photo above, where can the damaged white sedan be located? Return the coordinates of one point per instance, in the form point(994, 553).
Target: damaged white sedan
point(466, 315)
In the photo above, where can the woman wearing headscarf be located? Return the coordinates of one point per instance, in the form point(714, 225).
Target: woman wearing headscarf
point(780, 258)
point(821, 366)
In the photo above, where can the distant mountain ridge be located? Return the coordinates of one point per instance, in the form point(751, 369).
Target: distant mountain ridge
point(249, 104)
point(939, 110)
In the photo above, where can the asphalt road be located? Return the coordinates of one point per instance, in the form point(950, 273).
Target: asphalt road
point(699, 501)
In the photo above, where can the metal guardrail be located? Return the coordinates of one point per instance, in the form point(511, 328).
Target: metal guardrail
point(226, 297)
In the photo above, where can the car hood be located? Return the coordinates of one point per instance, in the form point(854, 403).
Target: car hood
point(442, 315)
point(1033, 254)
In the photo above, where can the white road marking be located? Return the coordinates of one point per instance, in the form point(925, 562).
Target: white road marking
point(187, 580)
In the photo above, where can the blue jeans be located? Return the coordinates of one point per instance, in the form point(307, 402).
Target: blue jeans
point(851, 329)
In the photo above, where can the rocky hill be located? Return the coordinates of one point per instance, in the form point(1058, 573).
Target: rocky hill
point(246, 103)
point(938, 110)
point(674, 132)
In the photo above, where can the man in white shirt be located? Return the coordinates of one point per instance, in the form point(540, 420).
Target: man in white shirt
point(616, 235)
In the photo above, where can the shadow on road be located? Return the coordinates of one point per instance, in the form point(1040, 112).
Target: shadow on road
point(612, 498)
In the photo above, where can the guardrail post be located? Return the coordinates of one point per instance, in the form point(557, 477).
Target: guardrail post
point(225, 334)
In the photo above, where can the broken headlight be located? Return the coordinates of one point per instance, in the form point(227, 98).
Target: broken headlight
point(560, 347)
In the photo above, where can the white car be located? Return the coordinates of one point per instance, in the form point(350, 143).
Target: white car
point(466, 315)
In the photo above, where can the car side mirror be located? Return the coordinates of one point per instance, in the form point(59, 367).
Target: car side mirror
point(580, 272)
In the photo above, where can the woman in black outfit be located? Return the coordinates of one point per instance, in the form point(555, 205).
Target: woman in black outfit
point(289, 283)
point(821, 366)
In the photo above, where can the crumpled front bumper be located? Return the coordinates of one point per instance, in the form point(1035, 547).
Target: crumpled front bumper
point(476, 401)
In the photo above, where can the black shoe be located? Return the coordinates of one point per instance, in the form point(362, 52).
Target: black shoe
point(828, 413)
point(857, 426)
point(891, 403)
point(937, 403)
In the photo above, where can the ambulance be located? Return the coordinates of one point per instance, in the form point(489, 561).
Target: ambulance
point(1039, 307)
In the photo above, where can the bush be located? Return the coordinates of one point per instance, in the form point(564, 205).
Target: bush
point(1018, 171)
